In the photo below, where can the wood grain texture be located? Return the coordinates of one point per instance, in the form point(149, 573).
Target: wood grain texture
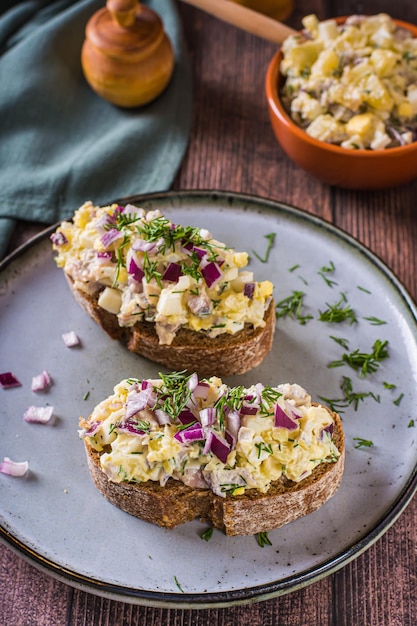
point(232, 148)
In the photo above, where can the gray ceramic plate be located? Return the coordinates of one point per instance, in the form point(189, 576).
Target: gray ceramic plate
point(56, 518)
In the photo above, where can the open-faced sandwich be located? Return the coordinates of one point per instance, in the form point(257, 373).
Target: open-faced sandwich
point(171, 293)
point(245, 460)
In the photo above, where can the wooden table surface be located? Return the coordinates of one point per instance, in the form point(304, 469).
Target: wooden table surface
point(232, 148)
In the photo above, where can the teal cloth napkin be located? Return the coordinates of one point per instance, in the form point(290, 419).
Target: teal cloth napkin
point(60, 144)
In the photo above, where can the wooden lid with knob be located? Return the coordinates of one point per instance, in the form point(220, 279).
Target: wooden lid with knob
point(127, 57)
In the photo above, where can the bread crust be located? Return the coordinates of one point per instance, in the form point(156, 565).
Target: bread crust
point(226, 354)
point(247, 514)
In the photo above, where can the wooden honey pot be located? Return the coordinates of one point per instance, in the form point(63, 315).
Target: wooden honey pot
point(127, 57)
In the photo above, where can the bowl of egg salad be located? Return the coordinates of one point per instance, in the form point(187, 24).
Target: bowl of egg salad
point(342, 99)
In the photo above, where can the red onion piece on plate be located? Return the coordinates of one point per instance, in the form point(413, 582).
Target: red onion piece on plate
point(13, 468)
point(9, 380)
point(71, 339)
point(38, 414)
point(42, 382)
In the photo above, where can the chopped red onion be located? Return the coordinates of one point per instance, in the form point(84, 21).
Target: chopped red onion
point(259, 387)
point(249, 290)
point(207, 416)
point(58, 239)
point(41, 382)
point(201, 390)
point(104, 221)
point(131, 209)
point(217, 445)
point(146, 398)
point(13, 468)
point(172, 272)
point(250, 404)
point(162, 417)
point(233, 424)
point(160, 243)
point(130, 426)
point(327, 430)
point(230, 439)
point(190, 434)
point(110, 237)
point(104, 255)
point(71, 339)
point(187, 417)
point(192, 382)
point(248, 409)
point(89, 432)
point(135, 270)
point(283, 421)
point(187, 248)
point(211, 273)
point(200, 252)
point(141, 245)
point(38, 414)
point(9, 380)
point(295, 412)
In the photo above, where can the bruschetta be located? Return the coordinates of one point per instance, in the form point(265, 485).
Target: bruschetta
point(170, 293)
point(244, 460)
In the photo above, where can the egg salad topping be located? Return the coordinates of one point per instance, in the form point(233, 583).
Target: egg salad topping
point(355, 84)
point(145, 268)
point(209, 435)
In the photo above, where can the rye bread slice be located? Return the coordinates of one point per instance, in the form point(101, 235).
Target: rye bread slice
point(225, 355)
point(248, 514)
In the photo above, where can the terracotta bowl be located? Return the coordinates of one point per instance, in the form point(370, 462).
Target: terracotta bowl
point(341, 167)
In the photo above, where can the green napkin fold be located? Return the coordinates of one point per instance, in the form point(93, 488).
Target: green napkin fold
point(61, 144)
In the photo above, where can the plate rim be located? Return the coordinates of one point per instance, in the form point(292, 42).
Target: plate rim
point(263, 591)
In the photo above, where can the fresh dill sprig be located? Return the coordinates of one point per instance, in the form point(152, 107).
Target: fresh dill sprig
point(269, 398)
point(207, 534)
point(329, 269)
point(150, 269)
point(336, 313)
point(366, 363)
point(363, 443)
point(230, 487)
point(263, 447)
point(191, 267)
point(161, 230)
point(342, 342)
point(375, 321)
point(123, 219)
point(263, 539)
point(292, 307)
point(271, 239)
point(350, 397)
point(398, 400)
point(142, 425)
point(174, 393)
point(230, 401)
